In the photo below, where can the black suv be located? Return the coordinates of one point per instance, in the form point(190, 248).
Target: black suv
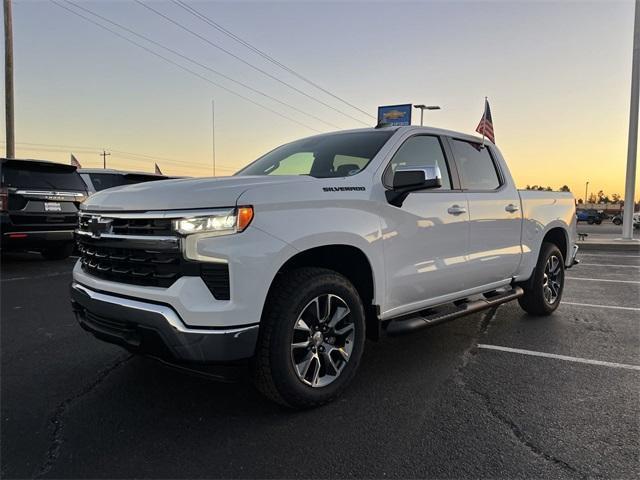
point(39, 203)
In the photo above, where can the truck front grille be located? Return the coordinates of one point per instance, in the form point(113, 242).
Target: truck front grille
point(134, 226)
point(142, 251)
point(157, 268)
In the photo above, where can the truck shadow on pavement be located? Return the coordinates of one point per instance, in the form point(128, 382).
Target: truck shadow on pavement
point(161, 413)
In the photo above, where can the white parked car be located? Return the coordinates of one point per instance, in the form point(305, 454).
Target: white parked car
point(316, 245)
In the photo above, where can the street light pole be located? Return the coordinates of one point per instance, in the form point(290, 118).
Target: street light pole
point(422, 108)
point(586, 192)
point(8, 80)
point(632, 149)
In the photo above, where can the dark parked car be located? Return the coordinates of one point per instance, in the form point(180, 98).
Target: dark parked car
point(98, 179)
point(618, 219)
point(590, 216)
point(39, 203)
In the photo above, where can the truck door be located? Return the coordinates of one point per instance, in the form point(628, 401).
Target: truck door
point(494, 214)
point(426, 239)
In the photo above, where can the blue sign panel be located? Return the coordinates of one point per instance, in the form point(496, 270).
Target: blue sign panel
point(396, 115)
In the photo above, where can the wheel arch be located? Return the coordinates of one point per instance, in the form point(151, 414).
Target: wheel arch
point(559, 237)
point(348, 260)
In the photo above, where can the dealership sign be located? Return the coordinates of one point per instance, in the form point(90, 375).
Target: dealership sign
point(395, 115)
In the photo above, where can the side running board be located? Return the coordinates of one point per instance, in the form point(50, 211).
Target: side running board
point(449, 311)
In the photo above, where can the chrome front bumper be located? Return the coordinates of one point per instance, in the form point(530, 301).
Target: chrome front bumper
point(156, 329)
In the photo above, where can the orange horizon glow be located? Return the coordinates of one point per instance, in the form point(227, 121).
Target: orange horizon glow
point(557, 75)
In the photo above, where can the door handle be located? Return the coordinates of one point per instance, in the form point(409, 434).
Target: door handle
point(511, 208)
point(456, 210)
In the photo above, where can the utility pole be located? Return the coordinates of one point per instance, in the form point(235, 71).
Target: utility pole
point(8, 79)
point(632, 149)
point(213, 135)
point(104, 156)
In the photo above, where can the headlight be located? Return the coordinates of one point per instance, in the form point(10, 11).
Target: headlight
point(220, 222)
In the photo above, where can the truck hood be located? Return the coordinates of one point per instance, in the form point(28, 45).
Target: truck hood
point(186, 193)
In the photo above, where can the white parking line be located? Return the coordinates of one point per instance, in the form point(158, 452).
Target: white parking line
point(601, 280)
point(35, 277)
point(614, 307)
point(606, 255)
point(560, 357)
point(607, 265)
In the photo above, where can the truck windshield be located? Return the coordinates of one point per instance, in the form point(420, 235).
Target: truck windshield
point(324, 156)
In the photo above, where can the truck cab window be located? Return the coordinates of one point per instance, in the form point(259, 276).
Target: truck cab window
point(477, 170)
point(419, 151)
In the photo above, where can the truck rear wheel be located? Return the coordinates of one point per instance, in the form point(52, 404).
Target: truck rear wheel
point(542, 294)
point(312, 337)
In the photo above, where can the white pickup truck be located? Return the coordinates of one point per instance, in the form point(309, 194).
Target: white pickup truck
point(322, 242)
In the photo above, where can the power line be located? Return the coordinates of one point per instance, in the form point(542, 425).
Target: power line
point(138, 157)
point(195, 62)
point(264, 72)
point(140, 165)
point(182, 66)
point(96, 149)
point(264, 55)
point(119, 156)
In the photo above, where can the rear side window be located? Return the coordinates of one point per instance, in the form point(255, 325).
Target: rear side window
point(41, 178)
point(476, 167)
point(419, 151)
point(102, 181)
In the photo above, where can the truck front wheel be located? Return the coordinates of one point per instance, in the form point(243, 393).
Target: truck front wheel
point(311, 338)
point(542, 294)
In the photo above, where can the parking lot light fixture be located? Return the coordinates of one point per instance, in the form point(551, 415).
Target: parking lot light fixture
point(422, 108)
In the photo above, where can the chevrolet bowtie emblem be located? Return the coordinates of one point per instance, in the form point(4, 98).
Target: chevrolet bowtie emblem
point(97, 226)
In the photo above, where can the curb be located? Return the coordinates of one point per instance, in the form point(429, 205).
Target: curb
point(611, 246)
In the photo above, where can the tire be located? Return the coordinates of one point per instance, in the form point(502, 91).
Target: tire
point(59, 252)
point(598, 221)
point(590, 221)
point(617, 221)
point(294, 301)
point(536, 299)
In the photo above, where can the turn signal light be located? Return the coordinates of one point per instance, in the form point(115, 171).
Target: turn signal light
point(245, 215)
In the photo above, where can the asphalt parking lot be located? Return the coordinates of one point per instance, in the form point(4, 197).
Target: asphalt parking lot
point(499, 394)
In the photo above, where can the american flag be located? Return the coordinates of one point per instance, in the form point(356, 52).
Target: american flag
point(485, 127)
point(75, 162)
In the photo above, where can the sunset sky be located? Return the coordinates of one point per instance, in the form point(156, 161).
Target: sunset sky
point(557, 75)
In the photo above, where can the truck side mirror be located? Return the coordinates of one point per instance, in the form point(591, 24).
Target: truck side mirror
point(410, 180)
